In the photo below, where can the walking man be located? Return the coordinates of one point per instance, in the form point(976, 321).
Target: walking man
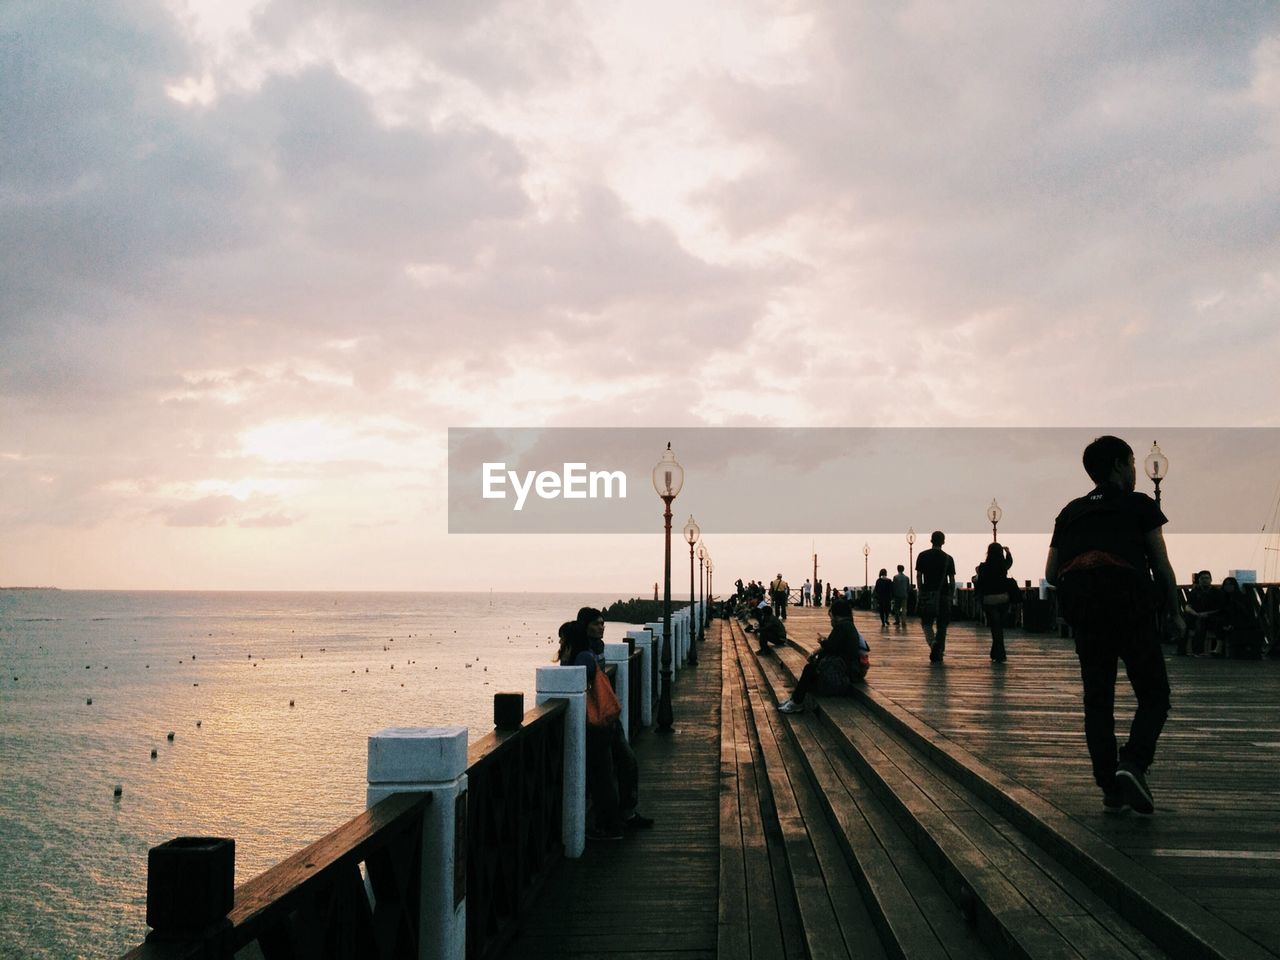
point(936, 574)
point(901, 590)
point(1105, 547)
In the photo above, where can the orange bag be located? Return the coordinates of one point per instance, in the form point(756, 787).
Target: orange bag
point(603, 708)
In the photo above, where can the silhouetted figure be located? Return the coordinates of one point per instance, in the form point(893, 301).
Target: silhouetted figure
point(884, 596)
point(1204, 605)
point(992, 585)
point(841, 660)
point(1105, 546)
point(901, 593)
point(772, 631)
point(936, 575)
point(779, 594)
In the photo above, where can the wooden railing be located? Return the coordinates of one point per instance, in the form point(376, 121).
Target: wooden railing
point(355, 892)
point(513, 823)
point(315, 903)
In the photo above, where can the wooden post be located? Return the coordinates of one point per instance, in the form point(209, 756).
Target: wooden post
point(570, 683)
point(644, 641)
point(431, 760)
point(508, 711)
point(618, 654)
point(190, 891)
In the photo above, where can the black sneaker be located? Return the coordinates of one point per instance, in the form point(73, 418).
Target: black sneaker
point(1114, 802)
point(637, 822)
point(1133, 785)
point(604, 833)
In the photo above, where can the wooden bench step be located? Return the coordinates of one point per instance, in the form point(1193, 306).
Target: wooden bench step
point(1022, 902)
point(892, 903)
point(1163, 914)
point(757, 917)
point(836, 921)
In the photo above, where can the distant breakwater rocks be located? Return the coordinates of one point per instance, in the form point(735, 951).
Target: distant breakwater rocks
point(639, 611)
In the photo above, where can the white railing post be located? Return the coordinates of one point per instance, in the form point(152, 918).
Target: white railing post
point(617, 654)
point(570, 683)
point(430, 760)
point(644, 643)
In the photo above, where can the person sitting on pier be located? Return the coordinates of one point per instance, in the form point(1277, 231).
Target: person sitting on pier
point(1202, 613)
point(1239, 632)
point(613, 774)
point(842, 659)
point(772, 630)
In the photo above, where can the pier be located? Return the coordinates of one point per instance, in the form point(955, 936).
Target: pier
point(942, 811)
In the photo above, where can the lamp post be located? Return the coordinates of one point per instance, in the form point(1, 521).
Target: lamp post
point(668, 478)
point(911, 541)
point(994, 513)
point(866, 559)
point(702, 604)
point(691, 533)
point(1157, 466)
point(711, 569)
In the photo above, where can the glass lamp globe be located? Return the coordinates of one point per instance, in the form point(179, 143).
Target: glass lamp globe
point(1157, 464)
point(668, 476)
point(691, 531)
point(994, 513)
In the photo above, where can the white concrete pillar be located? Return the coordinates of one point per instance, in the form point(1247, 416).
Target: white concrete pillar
point(617, 654)
point(429, 760)
point(570, 683)
point(644, 643)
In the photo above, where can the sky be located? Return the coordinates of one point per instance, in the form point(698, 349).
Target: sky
point(257, 257)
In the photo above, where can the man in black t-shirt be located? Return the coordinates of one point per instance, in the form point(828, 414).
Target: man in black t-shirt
point(936, 575)
point(1105, 547)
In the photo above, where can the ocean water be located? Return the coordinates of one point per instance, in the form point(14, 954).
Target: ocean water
point(218, 670)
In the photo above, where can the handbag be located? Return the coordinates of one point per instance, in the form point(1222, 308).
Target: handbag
point(603, 708)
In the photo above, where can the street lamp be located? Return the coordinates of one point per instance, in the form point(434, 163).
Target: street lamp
point(994, 513)
point(691, 532)
point(711, 569)
point(1157, 465)
point(866, 558)
point(668, 478)
point(911, 540)
point(702, 606)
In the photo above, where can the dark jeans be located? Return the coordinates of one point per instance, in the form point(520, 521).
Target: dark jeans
point(613, 776)
point(997, 614)
point(935, 606)
point(883, 606)
point(1144, 664)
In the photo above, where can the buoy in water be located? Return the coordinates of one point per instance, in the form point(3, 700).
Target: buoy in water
point(291, 703)
point(119, 790)
point(198, 723)
point(153, 753)
point(170, 737)
point(89, 701)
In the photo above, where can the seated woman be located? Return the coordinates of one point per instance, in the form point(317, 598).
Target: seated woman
point(613, 775)
point(1238, 625)
point(841, 659)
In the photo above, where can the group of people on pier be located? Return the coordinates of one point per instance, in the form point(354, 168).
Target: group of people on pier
point(1116, 590)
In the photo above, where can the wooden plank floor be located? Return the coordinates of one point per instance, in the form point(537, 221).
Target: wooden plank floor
point(1216, 780)
point(653, 894)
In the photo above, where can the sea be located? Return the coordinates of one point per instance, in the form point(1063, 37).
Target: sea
point(258, 707)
